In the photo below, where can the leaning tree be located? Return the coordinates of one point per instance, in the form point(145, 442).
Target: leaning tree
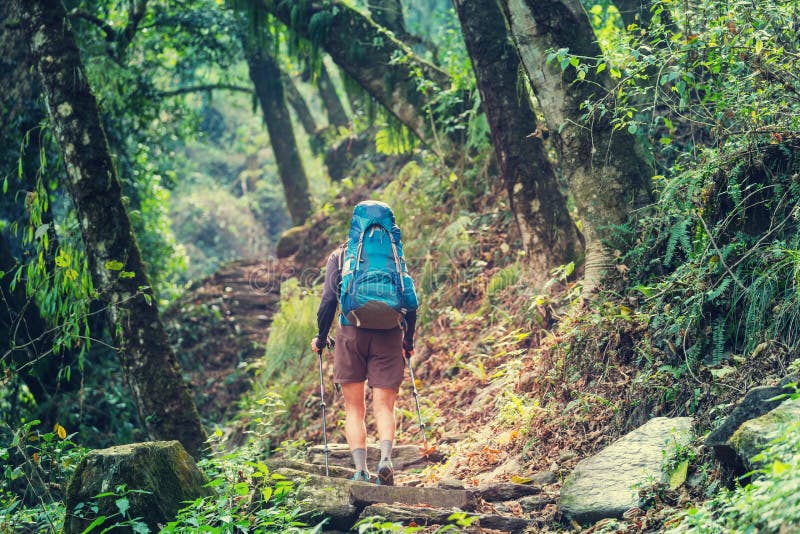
point(115, 262)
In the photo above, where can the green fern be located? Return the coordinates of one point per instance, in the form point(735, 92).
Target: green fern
point(678, 235)
point(393, 140)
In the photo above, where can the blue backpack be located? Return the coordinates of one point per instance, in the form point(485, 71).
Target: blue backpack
point(376, 290)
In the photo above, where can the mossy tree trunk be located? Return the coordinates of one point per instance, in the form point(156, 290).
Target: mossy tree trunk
point(607, 170)
point(548, 233)
point(368, 54)
point(266, 77)
point(162, 398)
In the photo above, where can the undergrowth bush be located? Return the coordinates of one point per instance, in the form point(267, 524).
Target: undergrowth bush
point(712, 86)
point(770, 503)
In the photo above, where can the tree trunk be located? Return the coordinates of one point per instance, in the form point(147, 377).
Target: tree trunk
point(608, 173)
point(333, 105)
point(266, 77)
point(548, 233)
point(161, 396)
point(299, 105)
point(368, 53)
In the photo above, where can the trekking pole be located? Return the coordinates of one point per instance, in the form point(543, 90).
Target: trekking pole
point(322, 403)
point(416, 397)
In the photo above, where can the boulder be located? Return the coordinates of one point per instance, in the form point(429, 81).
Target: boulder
point(164, 476)
point(606, 485)
point(752, 437)
point(754, 404)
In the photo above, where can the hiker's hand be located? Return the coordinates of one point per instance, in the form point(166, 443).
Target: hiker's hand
point(408, 348)
point(315, 345)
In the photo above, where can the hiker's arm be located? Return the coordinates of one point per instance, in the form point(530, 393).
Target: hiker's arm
point(411, 324)
point(327, 307)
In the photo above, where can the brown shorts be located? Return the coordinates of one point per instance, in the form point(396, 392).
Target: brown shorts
point(374, 355)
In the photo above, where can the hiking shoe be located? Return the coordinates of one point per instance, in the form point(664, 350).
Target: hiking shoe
point(361, 476)
point(385, 474)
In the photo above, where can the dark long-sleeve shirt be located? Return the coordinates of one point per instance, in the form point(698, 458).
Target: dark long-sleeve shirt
point(330, 301)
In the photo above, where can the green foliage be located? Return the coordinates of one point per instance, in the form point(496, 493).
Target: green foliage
point(770, 503)
point(289, 363)
point(37, 467)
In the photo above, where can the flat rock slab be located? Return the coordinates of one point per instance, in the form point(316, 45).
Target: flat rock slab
point(505, 491)
point(403, 456)
point(606, 485)
point(366, 494)
point(432, 516)
point(754, 435)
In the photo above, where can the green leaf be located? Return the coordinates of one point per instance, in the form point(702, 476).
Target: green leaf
point(241, 489)
point(678, 476)
point(98, 521)
point(114, 265)
point(122, 505)
point(5, 185)
point(633, 128)
point(601, 67)
point(266, 493)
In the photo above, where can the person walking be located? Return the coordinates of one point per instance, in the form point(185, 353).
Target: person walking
point(366, 277)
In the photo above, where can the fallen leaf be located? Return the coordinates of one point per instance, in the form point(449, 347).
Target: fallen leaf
point(678, 476)
point(516, 479)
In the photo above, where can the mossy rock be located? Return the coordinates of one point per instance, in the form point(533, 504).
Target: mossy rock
point(754, 435)
point(158, 478)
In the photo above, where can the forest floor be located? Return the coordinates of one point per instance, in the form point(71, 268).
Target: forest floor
point(479, 411)
point(508, 396)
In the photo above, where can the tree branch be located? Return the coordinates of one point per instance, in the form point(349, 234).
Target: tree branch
point(205, 88)
point(108, 29)
point(135, 17)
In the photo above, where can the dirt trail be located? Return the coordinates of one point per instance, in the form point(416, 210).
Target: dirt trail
point(219, 326)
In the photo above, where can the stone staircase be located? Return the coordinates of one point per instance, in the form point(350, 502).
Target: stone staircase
point(345, 502)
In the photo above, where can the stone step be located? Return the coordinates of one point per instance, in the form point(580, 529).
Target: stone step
point(366, 494)
point(316, 469)
point(403, 456)
point(423, 517)
point(342, 500)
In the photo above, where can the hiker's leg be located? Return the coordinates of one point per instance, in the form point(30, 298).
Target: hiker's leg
point(355, 429)
point(383, 406)
point(383, 400)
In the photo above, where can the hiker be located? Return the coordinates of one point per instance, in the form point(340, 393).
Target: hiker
point(367, 277)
